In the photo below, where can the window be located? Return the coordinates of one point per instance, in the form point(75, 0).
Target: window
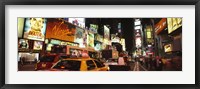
point(98, 64)
point(47, 58)
point(90, 65)
point(70, 65)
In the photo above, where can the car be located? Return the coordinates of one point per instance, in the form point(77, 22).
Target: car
point(111, 62)
point(47, 61)
point(79, 64)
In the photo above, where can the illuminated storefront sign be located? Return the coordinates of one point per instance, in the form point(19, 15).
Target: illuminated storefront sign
point(55, 41)
point(61, 30)
point(168, 48)
point(173, 24)
point(35, 28)
point(161, 25)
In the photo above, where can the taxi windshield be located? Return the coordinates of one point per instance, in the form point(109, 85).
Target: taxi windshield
point(71, 65)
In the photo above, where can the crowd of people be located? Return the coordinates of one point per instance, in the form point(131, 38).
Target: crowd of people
point(160, 63)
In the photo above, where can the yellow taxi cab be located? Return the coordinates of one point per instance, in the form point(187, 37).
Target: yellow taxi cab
point(79, 64)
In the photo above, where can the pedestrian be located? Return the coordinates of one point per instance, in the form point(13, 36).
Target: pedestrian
point(159, 64)
point(21, 61)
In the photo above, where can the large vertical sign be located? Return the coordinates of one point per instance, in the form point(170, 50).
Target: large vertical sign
point(106, 34)
point(35, 28)
point(85, 36)
point(59, 29)
point(90, 39)
point(79, 36)
point(161, 25)
point(20, 27)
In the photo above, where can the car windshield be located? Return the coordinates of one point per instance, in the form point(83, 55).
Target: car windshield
point(65, 56)
point(47, 58)
point(71, 65)
point(111, 60)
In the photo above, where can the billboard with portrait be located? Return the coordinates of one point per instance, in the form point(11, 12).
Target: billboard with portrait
point(97, 46)
point(106, 34)
point(35, 28)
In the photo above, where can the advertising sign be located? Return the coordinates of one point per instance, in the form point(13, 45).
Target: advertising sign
point(98, 37)
point(85, 35)
point(114, 38)
point(37, 45)
point(49, 47)
point(168, 48)
point(138, 42)
point(106, 32)
point(78, 22)
point(93, 28)
point(98, 46)
point(161, 25)
point(35, 28)
point(90, 39)
point(173, 24)
point(79, 36)
point(23, 44)
point(61, 30)
point(53, 41)
point(20, 27)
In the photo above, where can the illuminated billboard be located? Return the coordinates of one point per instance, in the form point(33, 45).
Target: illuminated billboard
point(77, 21)
point(49, 47)
point(173, 24)
point(37, 45)
point(79, 36)
point(23, 44)
point(35, 28)
point(20, 27)
point(93, 28)
point(98, 37)
point(168, 48)
point(97, 46)
point(106, 34)
point(90, 39)
point(161, 25)
point(138, 42)
point(58, 29)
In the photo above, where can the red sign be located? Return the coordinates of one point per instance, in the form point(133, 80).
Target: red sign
point(162, 24)
point(61, 30)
